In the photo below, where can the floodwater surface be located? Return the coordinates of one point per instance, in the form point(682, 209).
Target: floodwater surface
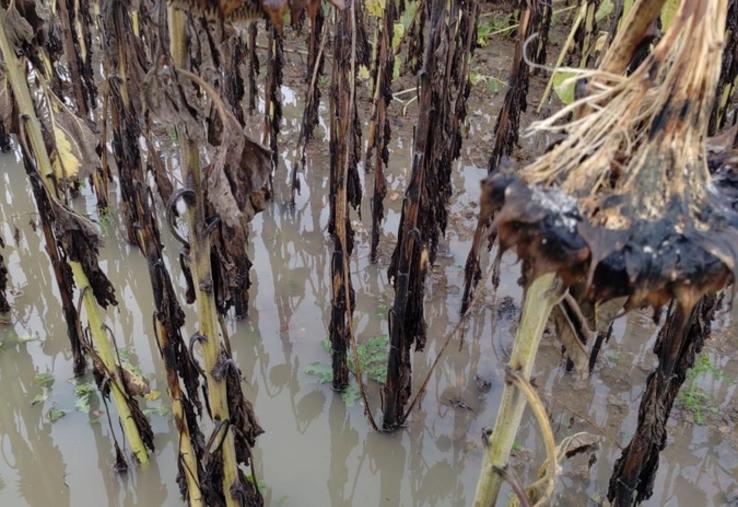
point(317, 450)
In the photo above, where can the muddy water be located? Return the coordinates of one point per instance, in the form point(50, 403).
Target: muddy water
point(316, 450)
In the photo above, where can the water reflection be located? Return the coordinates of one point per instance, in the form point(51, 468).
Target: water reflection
point(26, 435)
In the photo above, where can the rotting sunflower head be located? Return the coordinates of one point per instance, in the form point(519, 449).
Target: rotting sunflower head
point(632, 202)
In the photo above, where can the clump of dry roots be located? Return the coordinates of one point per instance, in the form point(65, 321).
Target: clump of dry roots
point(626, 203)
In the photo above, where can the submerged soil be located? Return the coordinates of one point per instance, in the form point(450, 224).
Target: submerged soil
point(317, 451)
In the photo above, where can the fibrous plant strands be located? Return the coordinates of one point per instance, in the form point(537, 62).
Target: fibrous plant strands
point(679, 341)
point(225, 190)
point(534, 19)
point(728, 72)
point(636, 211)
point(273, 93)
point(168, 316)
point(627, 45)
point(345, 189)
point(625, 204)
point(75, 50)
point(443, 89)
point(379, 126)
point(4, 305)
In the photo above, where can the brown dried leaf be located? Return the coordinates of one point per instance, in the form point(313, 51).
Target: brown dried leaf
point(174, 103)
point(6, 102)
point(236, 180)
point(27, 23)
point(567, 333)
point(19, 31)
point(136, 385)
point(577, 443)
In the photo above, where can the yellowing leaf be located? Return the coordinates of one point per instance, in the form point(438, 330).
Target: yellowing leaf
point(74, 155)
point(66, 164)
point(363, 73)
point(398, 33)
point(152, 395)
point(668, 11)
point(375, 8)
point(563, 85)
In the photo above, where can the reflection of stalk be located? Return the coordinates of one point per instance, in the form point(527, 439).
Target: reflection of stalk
point(540, 298)
point(100, 341)
point(201, 271)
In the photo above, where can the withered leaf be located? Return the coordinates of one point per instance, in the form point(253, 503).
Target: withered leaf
point(6, 102)
point(25, 21)
point(568, 334)
point(74, 155)
point(236, 180)
point(173, 103)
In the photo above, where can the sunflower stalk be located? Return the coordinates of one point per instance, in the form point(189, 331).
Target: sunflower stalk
point(32, 129)
point(540, 298)
point(168, 317)
point(234, 487)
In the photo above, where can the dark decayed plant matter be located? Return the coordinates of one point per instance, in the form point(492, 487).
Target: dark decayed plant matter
point(534, 24)
point(4, 305)
point(626, 206)
point(122, 47)
point(442, 92)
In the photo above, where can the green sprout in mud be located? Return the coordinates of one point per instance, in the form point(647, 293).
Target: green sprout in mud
point(105, 221)
point(493, 25)
point(493, 84)
point(693, 398)
point(372, 359)
point(84, 393)
point(45, 380)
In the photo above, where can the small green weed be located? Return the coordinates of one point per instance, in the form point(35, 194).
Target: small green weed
point(692, 397)
point(84, 393)
point(373, 361)
point(493, 25)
